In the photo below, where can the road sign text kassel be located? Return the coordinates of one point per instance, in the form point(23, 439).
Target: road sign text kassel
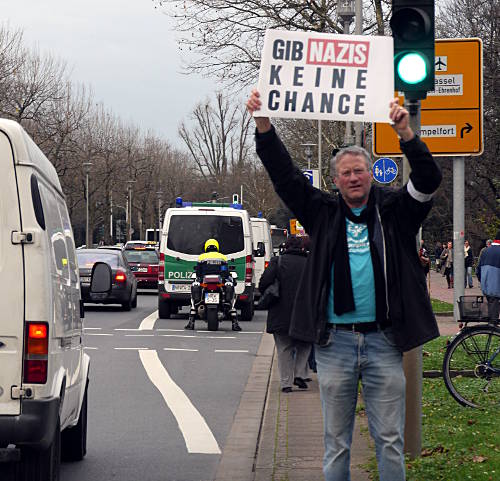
point(452, 115)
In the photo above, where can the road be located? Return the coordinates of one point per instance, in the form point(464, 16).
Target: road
point(161, 399)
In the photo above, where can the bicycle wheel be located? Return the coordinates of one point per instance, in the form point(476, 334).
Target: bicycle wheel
point(471, 367)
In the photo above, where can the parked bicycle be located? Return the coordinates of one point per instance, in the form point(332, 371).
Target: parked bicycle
point(471, 365)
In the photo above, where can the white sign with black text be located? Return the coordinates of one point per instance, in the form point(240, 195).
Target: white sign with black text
point(325, 76)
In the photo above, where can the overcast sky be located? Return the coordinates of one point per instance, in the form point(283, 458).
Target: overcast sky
point(124, 49)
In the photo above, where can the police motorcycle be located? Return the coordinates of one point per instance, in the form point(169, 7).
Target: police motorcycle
point(212, 292)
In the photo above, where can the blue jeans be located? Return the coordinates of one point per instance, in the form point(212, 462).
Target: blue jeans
point(468, 276)
point(373, 359)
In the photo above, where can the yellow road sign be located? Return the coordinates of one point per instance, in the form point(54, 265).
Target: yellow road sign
point(451, 115)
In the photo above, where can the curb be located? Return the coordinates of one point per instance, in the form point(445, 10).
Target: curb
point(237, 462)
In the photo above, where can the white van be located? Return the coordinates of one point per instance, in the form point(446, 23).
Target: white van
point(43, 369)
point(262, 246)
point(185, 231)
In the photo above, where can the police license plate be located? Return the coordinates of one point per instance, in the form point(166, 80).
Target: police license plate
point(211, 298)
point(181, 287)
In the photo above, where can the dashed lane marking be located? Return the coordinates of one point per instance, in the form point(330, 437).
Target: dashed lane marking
point(97, 334)
point(179, 349)
point(196, 433)
point(230, 350)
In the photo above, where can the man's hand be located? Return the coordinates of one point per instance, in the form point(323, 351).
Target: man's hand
point(401, 120)
point(253, 104)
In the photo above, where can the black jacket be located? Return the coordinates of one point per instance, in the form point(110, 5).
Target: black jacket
point(289, 272)
point(408, 305)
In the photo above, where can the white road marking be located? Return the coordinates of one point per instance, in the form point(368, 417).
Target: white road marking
point(251, 332)
point(171, 330)
point(197, 434)
point(179, 349)
point(217, 337)
point(148, 323)
point(97, 334)
point(123, 329)
point(90, 348)
point(92, 328)
point(229, 350)
point(131, 348)
point(175, 335)
point(139, 335)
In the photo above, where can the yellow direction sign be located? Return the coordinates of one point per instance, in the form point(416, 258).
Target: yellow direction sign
point(451, 115)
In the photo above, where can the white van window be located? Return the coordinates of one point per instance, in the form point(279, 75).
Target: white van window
point(88, 259)
point(187, 234)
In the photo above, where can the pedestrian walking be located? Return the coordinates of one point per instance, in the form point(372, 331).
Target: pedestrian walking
point(437, 256)
point(487, 244)
point(292, 353)
point(362, 297)
point(488, 274)
point(423, 255)
point(447, 259)
point(469, 262)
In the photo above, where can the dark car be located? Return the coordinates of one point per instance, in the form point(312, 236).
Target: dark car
point(124, 288)
point(144, 264)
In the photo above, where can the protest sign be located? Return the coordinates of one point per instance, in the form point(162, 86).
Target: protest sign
point(311, 75)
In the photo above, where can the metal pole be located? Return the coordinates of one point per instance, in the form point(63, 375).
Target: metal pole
point(412, 360)
point(87, 237)
point(111, 215)
point(458, 232)
point(320, 163)
point(358, 30)
point(347, 135)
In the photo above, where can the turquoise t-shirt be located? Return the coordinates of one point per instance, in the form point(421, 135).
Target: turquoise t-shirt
point(362, 277)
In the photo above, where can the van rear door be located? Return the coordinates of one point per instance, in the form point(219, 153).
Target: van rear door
point(11, 283)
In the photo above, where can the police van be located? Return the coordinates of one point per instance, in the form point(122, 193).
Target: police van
point(261, 232)
point(43, 368)
point(186, 228)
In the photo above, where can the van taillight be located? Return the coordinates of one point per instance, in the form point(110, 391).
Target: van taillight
point(248, 269)
point(120, 276)
point(36, 352)
point(161, 267)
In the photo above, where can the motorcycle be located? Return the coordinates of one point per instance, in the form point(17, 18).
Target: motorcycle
point(213, 298)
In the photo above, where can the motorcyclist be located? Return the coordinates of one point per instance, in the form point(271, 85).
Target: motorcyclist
point(204, 267)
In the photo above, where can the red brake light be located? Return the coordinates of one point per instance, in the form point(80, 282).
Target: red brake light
point(161, 267)
point(266, 263)
point(248, 269)
point(36, 351)
point(120, 276)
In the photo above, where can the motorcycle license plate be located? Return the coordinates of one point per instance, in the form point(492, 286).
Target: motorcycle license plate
point(211, 298)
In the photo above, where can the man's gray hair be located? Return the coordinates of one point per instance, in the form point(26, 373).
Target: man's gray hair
point(352, 150)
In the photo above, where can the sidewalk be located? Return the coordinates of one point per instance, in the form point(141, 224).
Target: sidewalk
point(279, 437)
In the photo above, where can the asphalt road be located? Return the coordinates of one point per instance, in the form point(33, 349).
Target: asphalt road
point(161, 399)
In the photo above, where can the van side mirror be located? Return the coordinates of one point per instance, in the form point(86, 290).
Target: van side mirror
point(101, 280)
point(261, 250)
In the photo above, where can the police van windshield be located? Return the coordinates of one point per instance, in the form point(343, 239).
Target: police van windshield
point(187, 234)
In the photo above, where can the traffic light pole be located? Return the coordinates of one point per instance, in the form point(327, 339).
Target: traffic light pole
point(412, 360)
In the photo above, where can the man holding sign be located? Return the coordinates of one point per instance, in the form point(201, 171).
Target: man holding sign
point(362, 297)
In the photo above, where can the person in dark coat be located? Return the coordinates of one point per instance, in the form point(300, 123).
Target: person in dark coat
point(292, 353)
point(362, 297)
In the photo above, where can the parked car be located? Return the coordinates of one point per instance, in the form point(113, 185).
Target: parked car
point(144, 264)
point(43, 368)
point(124, 288)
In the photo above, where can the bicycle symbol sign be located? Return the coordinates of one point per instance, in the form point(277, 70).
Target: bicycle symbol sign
point(385, 170)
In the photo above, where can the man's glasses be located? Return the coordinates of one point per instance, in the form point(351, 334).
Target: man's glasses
point(357, 172)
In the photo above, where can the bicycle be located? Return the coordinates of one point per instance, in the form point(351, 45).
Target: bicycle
point(471, 365)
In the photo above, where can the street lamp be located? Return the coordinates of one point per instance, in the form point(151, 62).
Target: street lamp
point(129, 189)
point(159, 195)
point(86, 170)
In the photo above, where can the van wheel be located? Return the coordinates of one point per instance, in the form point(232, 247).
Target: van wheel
point(74, 440)
point(36, 465)
point(163, 309)
point(247, 311)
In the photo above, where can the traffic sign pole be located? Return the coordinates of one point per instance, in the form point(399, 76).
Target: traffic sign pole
point(412, 360)
point(458, 231)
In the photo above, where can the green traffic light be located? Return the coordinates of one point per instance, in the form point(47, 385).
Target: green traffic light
point(412, 68)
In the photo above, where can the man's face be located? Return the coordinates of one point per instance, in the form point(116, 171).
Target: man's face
point(450, 245)
point(353, 180)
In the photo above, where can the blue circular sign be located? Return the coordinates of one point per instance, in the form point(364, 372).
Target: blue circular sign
point(385, 170)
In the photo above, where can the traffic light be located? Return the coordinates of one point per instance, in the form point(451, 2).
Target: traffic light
point(412, 25)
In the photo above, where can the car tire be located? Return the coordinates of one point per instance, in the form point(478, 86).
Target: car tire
point(164, 311)
point(247, 311)
point(41, 465)
point(134, 302)
point(74, 439)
